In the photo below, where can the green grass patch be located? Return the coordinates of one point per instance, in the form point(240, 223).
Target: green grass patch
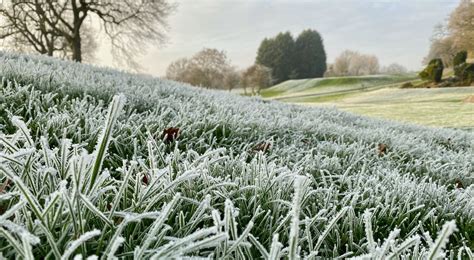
point(327, 85)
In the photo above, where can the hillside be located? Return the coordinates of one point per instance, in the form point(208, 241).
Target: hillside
point(334, 85)
point(90, 165)
point(382, 97)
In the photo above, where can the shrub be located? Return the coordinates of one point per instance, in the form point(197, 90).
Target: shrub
point(459, 58)
point(466, 73)
point(434, 71)
point(458, 62)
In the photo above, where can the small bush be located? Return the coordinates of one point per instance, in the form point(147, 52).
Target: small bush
point(434, 71)
point(458, 63)
point(460, 58)
point(466, 73)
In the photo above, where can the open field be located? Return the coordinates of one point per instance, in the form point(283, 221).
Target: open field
point(446, 107)
point(336, 85)
point(98, 162)
point(443, 107)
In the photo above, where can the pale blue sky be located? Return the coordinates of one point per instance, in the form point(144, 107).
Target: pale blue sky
point(396, 31)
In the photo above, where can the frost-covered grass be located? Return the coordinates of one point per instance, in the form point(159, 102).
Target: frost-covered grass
point(86, 171)
point(442, 107)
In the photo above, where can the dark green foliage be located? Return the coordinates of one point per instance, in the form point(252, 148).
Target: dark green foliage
point(278, 54)
point(459, 62)
point(434, 71)
point(460, 58)
point(290, 59)
point(465, 72)
point(310, 55)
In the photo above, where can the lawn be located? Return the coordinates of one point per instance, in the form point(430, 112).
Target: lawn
point(323, 86)
point(445, 107)
point(382, 97)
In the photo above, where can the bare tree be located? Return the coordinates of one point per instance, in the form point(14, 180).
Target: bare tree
point(361, 64)
point(394, 68)
point(353, 63)
point(48, 26)
point(209, 68)
point(461, 25)
point(372, 65)
point(256, 77)
point(455, 36)
point(444, 49)
point(23, 28)
point(178, 70)
point(232, 79)
point(341, 64)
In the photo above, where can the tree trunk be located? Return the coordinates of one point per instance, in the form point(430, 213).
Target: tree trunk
point(76, 49)
point(76, 39)
point(50, 46)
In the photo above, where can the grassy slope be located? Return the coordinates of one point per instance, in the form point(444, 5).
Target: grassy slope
point(326, 85)
point(227, 189)
point(432, 107)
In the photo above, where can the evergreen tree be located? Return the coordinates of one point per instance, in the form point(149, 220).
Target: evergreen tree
point(433, 72)
point(459, 58)
point(310, 55)
point(278, 54)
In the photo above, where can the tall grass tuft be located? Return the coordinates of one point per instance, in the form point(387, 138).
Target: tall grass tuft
point(106, 135)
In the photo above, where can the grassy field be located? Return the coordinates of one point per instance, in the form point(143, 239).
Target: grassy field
point(99, 163)
point(323, 86)
point(444, 107)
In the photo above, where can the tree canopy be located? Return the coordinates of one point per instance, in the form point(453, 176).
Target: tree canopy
point(278, 54)
point(209, 68)
point(256, 77)
point(353, 63)
point(461, 25)
point(310, 55)
point(455, 36)
point(290, 59)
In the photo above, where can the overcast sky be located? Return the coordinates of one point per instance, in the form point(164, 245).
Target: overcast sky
point(395, 31)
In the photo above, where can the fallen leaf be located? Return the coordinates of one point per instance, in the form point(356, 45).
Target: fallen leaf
point(170, 134)
point(145, 179)
point(382, 149)
point(459, 184)
point(262, 147)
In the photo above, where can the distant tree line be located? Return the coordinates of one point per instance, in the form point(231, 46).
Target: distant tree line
point(288, 58)
point(278, 59)
point(211, 68)
point(353, 63)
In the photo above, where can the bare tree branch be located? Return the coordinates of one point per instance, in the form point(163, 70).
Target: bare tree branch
point(58, 27)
